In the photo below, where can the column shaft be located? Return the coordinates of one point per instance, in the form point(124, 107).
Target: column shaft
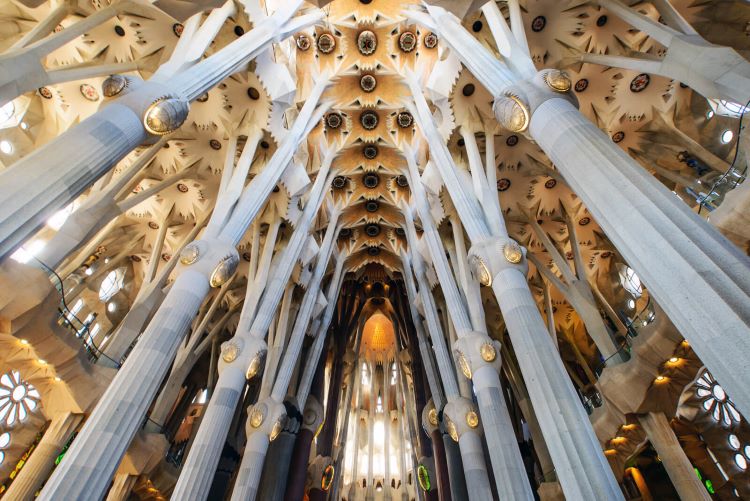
point(42, 460)
point(677, 464)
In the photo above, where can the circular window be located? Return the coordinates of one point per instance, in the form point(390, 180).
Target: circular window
point(368, 83)
point(503, 184)
point(372, 230)
point(405, 120)
point(372, 206)
point(468, 90)
point(303, 42)
point(430, 40)
point(339, 182)
point(367, 42)
point(715, 400)
point(581, 85)
point(740, 461)
point(639, 83)
point(326, 43)
point(727, 136)
point(17, 398)
point(402, 181)
point(477, 26)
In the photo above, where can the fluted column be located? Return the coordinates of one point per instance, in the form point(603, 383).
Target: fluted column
point(93, 457)
point(476, 353)
point(674, 459)
point(42, 460)
point(121, 486)
point(681, 258)
point(240, 358)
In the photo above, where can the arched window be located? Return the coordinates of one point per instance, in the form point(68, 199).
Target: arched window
point(111, 284)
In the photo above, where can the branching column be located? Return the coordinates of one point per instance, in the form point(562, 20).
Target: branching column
point(700, 278)
point(241, 358)
point(93, 457)
point(500, 262)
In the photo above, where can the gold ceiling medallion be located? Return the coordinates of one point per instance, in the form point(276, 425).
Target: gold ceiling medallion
point(113, 85)
point(257, 416)
point(277, 427)
point(558, 81)
point(432, 416)
point(165, 115)
point(480, 271)
point(230, 351)
point(463, 364)
point(512, 252)
point(254, 367)
point(488, 352)
point(512, 113)
point(472, 419)
point(451, 427)
point(224, 270)
point(190, 254)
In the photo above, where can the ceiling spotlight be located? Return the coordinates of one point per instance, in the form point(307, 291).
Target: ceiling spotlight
point(674, 360)
point(726, 138)
point(6, 147)
point(111, 307)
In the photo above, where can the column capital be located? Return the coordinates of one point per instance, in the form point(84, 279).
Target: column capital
point(267, 417)
point(430, 417)
point(489, 257)
point(243, 353)
point(476, 351)
point(312, 416)
point(460, 417)
point(518, 102)
point(320, 473)
point(212, 258)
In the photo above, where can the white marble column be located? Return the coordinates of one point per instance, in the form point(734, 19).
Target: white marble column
point(42, 460)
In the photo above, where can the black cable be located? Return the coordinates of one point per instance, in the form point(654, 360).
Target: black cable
point(98, 351)
point(731, 166)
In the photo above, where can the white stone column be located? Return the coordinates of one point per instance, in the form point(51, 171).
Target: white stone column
point(33, 188)
point(42, 460)
point(240, 358)
point(121, 486)
point(208, 262)
point(677, 464)
point(247, 487)
point(476, 353)
point(96, 452)
point(698, 277)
